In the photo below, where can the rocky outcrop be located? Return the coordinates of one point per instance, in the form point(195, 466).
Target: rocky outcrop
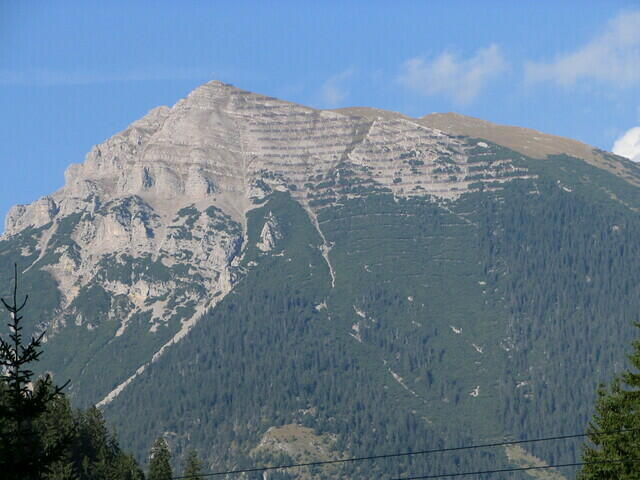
point(269, 235)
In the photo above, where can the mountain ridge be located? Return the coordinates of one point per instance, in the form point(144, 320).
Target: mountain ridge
point(351, 271)
point(226, 147)
point(218, 94)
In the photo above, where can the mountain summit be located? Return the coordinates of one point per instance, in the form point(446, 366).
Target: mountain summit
point(212, 147)
point(310, 284)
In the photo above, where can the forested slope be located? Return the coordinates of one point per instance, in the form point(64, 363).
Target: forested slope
point(491, 317)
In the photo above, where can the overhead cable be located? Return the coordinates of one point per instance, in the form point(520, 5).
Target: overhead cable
point(406, 454)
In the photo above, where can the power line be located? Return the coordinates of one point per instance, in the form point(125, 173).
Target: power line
point(520, 469)
point(406, 454)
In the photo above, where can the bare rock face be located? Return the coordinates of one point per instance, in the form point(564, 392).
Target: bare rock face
point(212, 146)
point(38, 213)
point(269, 235)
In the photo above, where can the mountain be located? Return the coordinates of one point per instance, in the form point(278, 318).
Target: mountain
point(266, 282)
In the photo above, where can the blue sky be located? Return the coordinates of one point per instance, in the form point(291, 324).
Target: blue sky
point(74, 73)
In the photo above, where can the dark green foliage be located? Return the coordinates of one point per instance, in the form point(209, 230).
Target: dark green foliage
point(35, 280)
point(23, 452)
point(160, 461)
point(526, 273)
point(617, 410)
point(269, 353)
point(192, 466)
point(41, 437)
point(191, 213)
point(93, 453)
point(565, 268)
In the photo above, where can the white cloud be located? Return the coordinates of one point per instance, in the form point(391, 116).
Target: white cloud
point(613, 57)
point(333, 92)
point(460, 79)
point(628, 145)
point(49, 77)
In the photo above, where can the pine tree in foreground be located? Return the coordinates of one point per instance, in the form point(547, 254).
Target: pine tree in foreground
point(616, 456)
point(192, 466)
point(160, 461)
point(23, 452)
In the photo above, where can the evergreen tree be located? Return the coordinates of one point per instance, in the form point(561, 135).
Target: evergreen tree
point(160, 461)
point(23, 452)
point(193, 466)
point(126, 468)
point(616, 456)
point(58, 423)
point(94, 453)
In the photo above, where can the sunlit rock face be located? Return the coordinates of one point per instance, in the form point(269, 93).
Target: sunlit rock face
point(175, 186)
point(211, 148)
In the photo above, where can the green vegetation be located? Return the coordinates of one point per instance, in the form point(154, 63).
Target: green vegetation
point(616, 456)
point(525, 273)
point(193, 466)
point(160, 461)
point(40, 436)
point(24, 453)
point(270, 354)
point(93, 453)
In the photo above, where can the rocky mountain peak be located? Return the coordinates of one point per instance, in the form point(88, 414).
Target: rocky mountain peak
point(182, 178)
point(275, 230)
point(214, 145)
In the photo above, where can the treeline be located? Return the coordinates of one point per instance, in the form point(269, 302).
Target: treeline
point(86, 449)
point(544, 280)
point(89, 450)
